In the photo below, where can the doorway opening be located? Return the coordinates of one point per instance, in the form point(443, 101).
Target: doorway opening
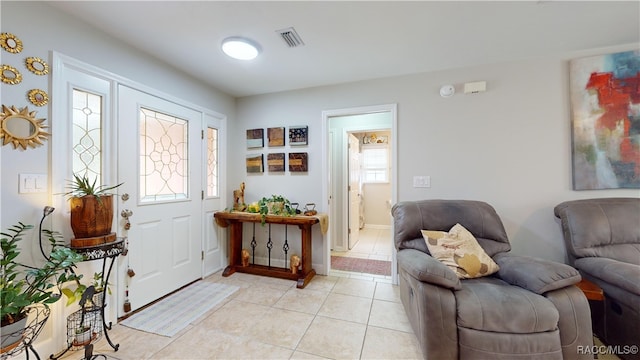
point(361, 172)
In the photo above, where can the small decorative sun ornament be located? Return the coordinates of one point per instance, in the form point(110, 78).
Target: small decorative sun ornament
point(38, 97)
point(37, 65)
point(10, 42)
point(10, 75)
point(21, 128)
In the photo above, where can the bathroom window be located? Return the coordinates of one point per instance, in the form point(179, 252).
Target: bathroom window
point(375, 164)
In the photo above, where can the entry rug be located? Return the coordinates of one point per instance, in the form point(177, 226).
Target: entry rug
point(170, 315)
point(369, 266)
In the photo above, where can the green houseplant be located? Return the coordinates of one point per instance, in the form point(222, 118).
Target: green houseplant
point(275, 205)
point(22, 286)
point(91, 211)
point(98, 283)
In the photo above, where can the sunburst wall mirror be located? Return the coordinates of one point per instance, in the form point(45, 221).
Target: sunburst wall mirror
point(21, 128)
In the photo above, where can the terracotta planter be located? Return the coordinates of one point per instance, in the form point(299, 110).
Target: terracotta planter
point(90, 216)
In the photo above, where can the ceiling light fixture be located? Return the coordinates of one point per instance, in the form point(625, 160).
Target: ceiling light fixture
point(240, 48)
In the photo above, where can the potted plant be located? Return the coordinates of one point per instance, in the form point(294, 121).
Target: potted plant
point(22, 286)
point(274, 205)
point(83, 335)
point(91, 211)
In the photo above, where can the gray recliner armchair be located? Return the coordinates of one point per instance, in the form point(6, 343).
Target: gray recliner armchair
point(529, 309)
point(602, 237)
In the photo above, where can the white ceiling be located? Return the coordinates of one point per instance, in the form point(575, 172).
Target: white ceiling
point(351, 41)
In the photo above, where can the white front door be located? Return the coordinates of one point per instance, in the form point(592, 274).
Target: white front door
point(354, 191)
point(160, 164)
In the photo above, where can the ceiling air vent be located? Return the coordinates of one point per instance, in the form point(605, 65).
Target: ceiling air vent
point(291, 37)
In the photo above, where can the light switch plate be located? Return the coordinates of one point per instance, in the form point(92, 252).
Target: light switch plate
point(32, 183)
point(422, 181)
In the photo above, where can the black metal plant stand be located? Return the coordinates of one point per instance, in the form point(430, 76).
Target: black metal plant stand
point(92, 312)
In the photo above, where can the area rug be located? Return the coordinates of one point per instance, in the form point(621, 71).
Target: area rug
point(376, 267)
point(173, 313)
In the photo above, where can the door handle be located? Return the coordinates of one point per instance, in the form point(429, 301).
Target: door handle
point(126, 213)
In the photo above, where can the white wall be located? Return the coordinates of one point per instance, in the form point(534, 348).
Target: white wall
point(43, 29)
point(509, 146)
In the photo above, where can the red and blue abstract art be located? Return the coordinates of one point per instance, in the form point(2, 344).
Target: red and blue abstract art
point(605, 106)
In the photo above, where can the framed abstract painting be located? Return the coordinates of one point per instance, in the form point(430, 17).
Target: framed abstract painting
point(605, 110)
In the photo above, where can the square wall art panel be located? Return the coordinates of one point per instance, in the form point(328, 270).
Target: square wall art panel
point(298, 162)
point(276, 136)
point(605, 110)
point(255, 164)
point(298, 135)
point(255, 138)
point(275, 162)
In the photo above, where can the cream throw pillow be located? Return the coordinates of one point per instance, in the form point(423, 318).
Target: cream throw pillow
point(460, 251)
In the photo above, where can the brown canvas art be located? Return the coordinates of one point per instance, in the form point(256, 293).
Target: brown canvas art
point(255, 164)
point(275, 162)
point(255, 138)
point(276, 136)
point(298, 162)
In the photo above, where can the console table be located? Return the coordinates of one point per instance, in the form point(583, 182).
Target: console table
point(234, 221)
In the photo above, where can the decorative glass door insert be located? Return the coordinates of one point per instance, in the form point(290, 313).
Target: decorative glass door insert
point(164, 157)
point(212, 162)
point(87, 135)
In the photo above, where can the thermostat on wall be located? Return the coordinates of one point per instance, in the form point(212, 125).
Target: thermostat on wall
point(475, 87)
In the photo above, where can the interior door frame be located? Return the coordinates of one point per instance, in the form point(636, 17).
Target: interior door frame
point(327, 173)
point(352, 233)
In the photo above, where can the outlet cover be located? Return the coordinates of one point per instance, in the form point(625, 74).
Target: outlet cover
point(422, 181)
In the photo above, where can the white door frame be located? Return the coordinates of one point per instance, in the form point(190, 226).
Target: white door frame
point(60, 168)
point(327, 172)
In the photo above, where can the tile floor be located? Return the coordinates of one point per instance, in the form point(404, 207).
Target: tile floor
point(341, 316)
point(373, 244)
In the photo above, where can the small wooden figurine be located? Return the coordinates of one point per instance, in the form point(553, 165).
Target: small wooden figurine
point(245, 257)
point(238, 199)
point(295, 263)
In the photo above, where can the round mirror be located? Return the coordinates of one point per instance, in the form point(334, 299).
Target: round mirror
point(11, 43)
point(21, 128)
point(37, 66)
point(38, 97)
point(10, 75)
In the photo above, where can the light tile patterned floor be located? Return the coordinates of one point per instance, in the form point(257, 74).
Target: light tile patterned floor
point(373, 244)
point(341, 316)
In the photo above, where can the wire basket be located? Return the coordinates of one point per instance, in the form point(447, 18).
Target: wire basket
point(83, 328)
point(38, 315)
